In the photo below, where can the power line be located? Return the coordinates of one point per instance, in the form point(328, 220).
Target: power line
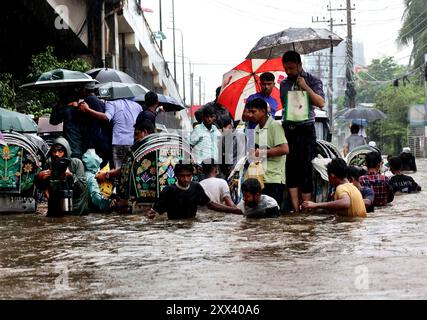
point(409, 31)
point(251, 15)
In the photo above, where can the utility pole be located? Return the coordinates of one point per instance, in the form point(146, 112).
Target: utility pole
point(351, 92)
point(330, 92)
point(200, 90)
point(182, 61)
point(191, 86)
point(332, 24)
point(174, 48)
point(161, 25)
point(319, 70)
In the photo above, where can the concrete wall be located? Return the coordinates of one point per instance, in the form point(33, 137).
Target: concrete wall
point(141, 46)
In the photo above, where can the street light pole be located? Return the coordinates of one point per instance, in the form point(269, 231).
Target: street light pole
point(200, 90)
point(191, 85)
point(160, 13)
point(174, 50)
point(183, 63)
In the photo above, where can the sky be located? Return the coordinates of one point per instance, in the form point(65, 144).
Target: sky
point(218, 34)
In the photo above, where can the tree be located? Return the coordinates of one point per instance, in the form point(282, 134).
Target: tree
point(377, 85)
point(385, 69)
point(391, 134)
point(37, 103)
point(414, 30)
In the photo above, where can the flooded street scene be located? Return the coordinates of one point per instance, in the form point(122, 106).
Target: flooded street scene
point(169, 150)
point(218, 256)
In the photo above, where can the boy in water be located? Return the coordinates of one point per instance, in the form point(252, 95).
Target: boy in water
point(181, 200)
point(348, 199)
point(255, 204)
point(368, 194)
point(378, 182)
point(400, 182)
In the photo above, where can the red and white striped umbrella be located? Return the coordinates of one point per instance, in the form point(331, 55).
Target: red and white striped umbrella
point(242, 81)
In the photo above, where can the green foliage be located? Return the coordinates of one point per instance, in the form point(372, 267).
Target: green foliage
point(414, 29)
point(34, 102)
point(375, 85)
point(384, 69)
point(391, 134)
point(7, 94)
point(340, 103)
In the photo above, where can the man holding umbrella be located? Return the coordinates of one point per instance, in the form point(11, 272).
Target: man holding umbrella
point(299, 130)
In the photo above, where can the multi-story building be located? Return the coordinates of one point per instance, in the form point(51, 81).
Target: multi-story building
point(112, 33)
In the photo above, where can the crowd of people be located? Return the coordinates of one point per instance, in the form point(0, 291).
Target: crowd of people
point(97, 134)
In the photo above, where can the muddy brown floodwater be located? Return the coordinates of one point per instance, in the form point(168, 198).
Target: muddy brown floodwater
point(219, 256)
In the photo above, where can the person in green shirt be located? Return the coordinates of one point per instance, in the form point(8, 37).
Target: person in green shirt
point(271, 147)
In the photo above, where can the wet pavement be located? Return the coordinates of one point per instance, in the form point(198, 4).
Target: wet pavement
point(219, 256)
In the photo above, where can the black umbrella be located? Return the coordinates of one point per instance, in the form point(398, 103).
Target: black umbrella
point(301, 40)
point(16, 121)
point(118, 90)
point(169, 103)
point(367, 113)
point(104, 75)
point(59, 78)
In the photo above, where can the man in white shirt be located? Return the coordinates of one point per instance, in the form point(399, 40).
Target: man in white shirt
point(204, 138)
point(216, 189)
point(256, 205)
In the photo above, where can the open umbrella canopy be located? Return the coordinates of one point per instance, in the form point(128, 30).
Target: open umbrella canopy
point(169, 103)
point(243, 80)
point(367, 113)
point(118, 90)
point(301, 40)
point(15, 121)
point(59, 78)
point(104, 75)
point(44, 126)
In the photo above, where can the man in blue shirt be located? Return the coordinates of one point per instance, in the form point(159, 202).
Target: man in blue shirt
point(301, 135)
point(267, 86)
point(122, 113)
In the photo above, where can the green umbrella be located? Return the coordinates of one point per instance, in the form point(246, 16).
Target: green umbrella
point(12, 120)
point(59, 78)
point(119, 90)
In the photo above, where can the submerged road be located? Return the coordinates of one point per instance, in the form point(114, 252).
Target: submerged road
point(219, 256)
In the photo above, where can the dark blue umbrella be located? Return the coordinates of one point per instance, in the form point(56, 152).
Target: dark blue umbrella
point(104, 75)
point(169, 103)
point(367, 113)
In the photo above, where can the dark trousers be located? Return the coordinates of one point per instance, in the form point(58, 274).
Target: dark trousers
point(275, 190)
point(302, 149)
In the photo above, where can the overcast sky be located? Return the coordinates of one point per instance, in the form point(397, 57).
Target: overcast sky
point(218, 34)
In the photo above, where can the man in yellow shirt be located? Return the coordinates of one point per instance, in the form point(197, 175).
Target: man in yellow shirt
point(348, 199)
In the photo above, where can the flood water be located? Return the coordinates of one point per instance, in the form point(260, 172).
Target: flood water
point(219, 256)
